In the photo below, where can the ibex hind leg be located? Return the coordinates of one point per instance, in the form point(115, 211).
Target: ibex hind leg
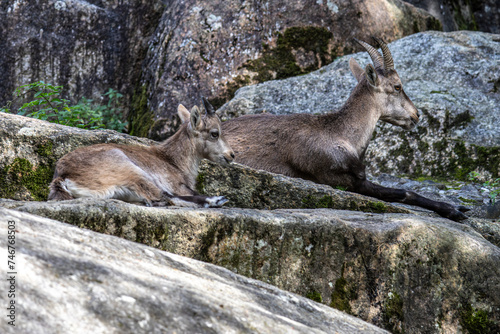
point(194, 201)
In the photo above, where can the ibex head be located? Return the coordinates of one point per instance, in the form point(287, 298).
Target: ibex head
point(396, 107)
point(206, 133)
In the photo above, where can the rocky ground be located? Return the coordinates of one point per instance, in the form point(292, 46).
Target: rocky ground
point(72, 280)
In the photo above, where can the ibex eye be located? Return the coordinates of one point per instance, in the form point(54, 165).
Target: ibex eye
point(214, 134)
point(397, 88)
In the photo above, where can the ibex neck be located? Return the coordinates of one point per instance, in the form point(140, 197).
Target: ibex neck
point(360, 115)
point(180, 151)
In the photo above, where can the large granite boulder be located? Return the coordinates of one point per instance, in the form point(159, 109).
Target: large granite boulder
point(71, 280)
point(453, 79)
point(402, 272)
point(213, 48)
point(85, 46)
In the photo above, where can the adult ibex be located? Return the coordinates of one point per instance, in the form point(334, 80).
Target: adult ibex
point(153, 175)
point(330, 148)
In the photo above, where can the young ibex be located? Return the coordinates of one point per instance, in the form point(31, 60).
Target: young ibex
point(154, 175)
point(330, 148)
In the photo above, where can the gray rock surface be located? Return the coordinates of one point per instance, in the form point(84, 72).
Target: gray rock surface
point(453, 79)
point(397, 271)
point(257, 189)
point(72, 280)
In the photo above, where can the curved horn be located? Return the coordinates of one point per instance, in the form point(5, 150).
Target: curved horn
point(388, 62)
point(208, 107)
point(374, 54)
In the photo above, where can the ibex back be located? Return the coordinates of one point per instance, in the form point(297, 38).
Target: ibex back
point(154, 175)
point(330, 149)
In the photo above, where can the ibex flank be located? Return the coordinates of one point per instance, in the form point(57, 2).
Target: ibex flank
point(155, 175)
point(330, 148)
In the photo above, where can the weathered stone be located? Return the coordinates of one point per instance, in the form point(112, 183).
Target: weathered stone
point(71, 280)
point(30, 148)
point(453, 79)
point(249, 188)
point(85, 46)
point(213, 48)
point(398, 271)
point(482, 15)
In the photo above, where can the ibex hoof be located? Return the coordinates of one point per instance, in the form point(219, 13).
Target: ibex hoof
point(215, 201)
point(462, 208)
point(456, 216)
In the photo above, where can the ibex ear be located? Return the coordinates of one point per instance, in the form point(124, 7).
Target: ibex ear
point(371, 75)
point(208, 107)
point(195, 117)
point(183, 113)
point(356, 70)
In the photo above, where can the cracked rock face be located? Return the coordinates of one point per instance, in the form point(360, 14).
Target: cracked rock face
point(87, 47)
point(77, 281)
point(452, 78)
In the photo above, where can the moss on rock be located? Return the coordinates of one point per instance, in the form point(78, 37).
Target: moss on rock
point(341, 296)
point(393, 315)
point(468, 158)
point(476, 321)
point(378, 207)
point(314, 295)
point(140, 118)
point(312, 202)
point(22, 174)
point(280, 62)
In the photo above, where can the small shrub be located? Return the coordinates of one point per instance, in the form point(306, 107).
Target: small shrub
point(45, 103)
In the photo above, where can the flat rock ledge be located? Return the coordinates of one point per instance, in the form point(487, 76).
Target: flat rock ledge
point(73, 280)
point(401, 272)
point(257, 189)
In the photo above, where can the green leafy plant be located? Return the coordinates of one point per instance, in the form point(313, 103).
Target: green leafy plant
point(44, 102)
point(493, 186)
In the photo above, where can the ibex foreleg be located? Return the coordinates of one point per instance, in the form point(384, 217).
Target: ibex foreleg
point(446, 210)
